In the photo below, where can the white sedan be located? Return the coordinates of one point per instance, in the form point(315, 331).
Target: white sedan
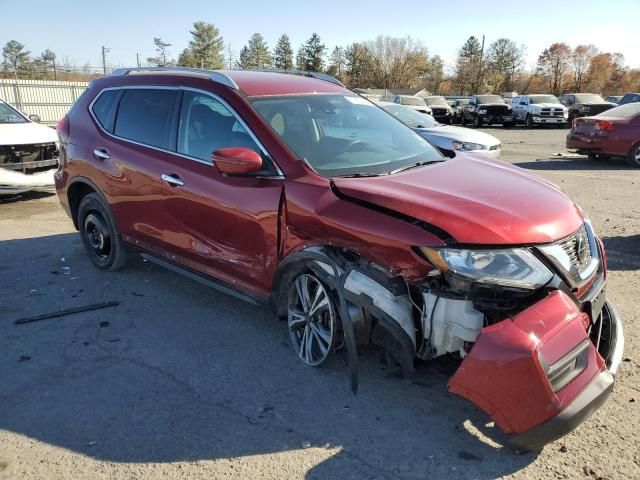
point(28, 152)
point(449, 140)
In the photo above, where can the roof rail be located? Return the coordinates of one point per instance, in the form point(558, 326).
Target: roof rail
point(214, 75)
point(305, 73)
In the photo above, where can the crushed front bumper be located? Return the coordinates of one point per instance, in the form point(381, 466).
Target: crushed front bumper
point(506, 372)
point(12, 182)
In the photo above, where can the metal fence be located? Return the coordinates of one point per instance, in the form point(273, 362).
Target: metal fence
point(49, 99)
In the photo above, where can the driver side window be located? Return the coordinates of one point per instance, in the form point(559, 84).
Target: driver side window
point(207, 125)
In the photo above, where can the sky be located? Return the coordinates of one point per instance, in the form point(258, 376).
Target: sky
point(77, 30)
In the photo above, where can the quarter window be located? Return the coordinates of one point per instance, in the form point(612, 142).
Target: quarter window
point(104, 108)
point(147, 116)
point(207, 125)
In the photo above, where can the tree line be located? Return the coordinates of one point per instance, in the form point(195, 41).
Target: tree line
point(384, 62)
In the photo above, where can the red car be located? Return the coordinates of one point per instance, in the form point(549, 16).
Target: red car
point(614, 133)
point(296, 193)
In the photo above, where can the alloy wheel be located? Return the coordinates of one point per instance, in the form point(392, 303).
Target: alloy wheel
point(312, 319)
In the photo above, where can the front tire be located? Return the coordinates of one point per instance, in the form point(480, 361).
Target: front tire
point(633, 158)
point(99, 235)
point(312, 319)
point(529, 121)
point(476, 122)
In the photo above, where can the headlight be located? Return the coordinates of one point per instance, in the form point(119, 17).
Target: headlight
point(466, 147)
point(516, 267)
point(482, 111)
point(585, 109)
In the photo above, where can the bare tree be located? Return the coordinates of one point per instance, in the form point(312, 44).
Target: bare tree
point(580, 62)
point(554, 64)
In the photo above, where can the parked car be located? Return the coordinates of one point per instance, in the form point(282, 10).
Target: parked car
point(456, 109)
point(487, 110)
point(629, 98)
point(448, 139)
point(613, 133)
point(28, 152)
point(298, 194)
point(584, 104)
point(539, 110)
point(616, 99)
point(441, 110)
point(417, 103)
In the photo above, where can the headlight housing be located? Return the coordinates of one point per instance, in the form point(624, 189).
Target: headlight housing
point(513, 267)
point(468, 146)
point(482, 111)
point(585, 109)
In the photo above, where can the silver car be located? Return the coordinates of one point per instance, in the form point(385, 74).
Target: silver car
point(451, 141)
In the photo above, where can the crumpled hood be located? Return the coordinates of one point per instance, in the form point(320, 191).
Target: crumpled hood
point(26, 133)
point(475, 200)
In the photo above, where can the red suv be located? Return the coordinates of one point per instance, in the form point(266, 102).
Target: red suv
point(296, 193)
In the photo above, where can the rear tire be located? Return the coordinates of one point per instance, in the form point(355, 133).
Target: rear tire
point(99, 235)
point(633, 158)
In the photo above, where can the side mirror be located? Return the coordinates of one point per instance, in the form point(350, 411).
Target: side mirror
point(34, 118)
point(236, 160)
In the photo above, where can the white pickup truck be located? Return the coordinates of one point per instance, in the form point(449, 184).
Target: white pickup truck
point(539, 110)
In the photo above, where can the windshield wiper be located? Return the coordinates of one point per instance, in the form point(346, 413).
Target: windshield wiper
point(414, 165)
point(358, 175)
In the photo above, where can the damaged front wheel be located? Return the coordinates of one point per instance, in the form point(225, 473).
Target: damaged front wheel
point(312, 319)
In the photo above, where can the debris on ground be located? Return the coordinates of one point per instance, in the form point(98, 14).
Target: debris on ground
point(66, 311)
point(306, 444)
point(24, 358)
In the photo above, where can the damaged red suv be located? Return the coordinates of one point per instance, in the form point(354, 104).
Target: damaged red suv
point(296, 193)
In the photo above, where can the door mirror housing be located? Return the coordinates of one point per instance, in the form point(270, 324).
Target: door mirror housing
point(34, 118)
point(236, 160)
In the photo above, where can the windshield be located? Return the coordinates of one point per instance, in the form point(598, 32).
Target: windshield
point(9, 115)
point(544, 99)
point(343, 135)
point(436, 101)
point(412, 101)
point(623, 111)
point(588, 98)
point(410, 117)
point(489, 99)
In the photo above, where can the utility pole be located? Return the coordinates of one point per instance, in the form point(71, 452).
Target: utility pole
point(138, 59)
point(105, 50)
point(480, 65)
point(230, 59)
point(55, 72)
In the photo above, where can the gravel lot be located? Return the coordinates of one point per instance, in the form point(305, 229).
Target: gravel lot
point(181, 381)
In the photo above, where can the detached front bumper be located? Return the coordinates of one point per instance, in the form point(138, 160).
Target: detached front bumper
point(538, 374)
point(12, 182)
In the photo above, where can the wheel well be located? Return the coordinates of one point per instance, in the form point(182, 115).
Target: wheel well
point(76, 192)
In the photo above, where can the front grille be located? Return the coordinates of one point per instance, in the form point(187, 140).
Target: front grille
point(29, 158)
point(551, 112)
point(439, 111)
point(496, 110)
point(577, 248)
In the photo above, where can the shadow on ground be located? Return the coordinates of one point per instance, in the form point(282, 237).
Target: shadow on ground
point(179, 372)
point(575, 163)
point(21, 197)
point(623, 253)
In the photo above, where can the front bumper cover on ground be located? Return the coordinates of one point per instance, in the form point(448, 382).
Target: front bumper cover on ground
point(503, 374)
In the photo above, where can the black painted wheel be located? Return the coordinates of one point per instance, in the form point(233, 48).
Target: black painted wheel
point(99, 235)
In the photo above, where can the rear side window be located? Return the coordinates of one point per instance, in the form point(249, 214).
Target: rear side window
point(104, 108)
point(148, 116)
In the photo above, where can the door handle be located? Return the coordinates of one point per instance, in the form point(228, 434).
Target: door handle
point(173, 180)
point(101, 154)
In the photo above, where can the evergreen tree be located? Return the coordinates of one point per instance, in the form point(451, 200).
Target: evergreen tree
point(162, 53)
point(205, 49)
point(467, 70)
point(283, 53)
point(337, 63)
point(15, 57)
point(313, 51)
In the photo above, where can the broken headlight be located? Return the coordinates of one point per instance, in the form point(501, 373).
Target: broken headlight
point(514, 267)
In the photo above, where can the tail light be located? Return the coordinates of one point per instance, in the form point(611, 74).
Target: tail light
point(603, 125)
point(574, 123)
point(63, 129)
